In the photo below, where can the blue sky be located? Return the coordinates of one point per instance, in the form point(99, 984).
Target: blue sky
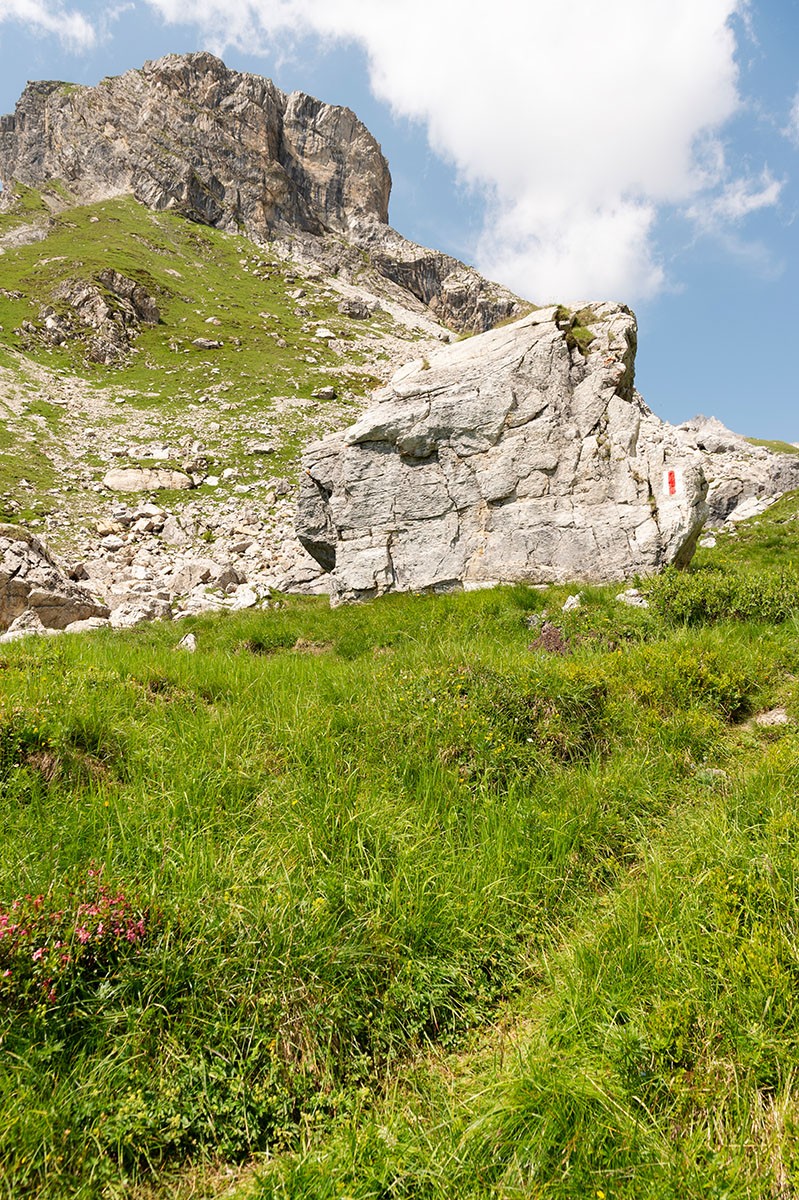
point(642, 152)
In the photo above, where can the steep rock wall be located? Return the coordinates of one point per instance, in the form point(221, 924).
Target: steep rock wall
point(230, 149)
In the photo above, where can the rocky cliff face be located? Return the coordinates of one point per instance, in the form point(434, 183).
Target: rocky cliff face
point(513, 456)
point(185, 133)
point(231, 150)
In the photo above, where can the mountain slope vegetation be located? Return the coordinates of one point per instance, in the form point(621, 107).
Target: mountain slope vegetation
point(389, 900)
point(235, 341)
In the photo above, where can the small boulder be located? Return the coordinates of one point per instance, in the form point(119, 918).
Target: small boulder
point(244, 597)
point(87, 626)
point(633, 597)
point(774, 716)
point(135, 612)
point(356, 309)
point(136, 479)
point(27, 624)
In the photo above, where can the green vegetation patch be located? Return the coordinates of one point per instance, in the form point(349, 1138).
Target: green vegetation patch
point(24, 205)
point(776, 447)
point(258, 361)
point(196, 275)
point(716, 594)
point(249, 888)
point(576, 326)
point(768, 542)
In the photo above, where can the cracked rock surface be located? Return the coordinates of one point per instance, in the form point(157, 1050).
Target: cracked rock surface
point(510, 456)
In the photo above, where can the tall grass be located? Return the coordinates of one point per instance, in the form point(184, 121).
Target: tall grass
point(353, 840)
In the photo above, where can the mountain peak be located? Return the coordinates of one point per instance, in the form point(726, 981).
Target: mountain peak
point(186, 133)
point(228, 148)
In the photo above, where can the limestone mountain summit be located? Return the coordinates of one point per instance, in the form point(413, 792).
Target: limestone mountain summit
point(221, 147)
point(187, 135)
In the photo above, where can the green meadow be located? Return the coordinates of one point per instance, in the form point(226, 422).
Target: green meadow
point(386, 902)
point(264, 313)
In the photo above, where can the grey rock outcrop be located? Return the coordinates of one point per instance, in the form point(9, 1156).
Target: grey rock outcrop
point(31, 581)
point(229, 149)
point(511, 456)
point(744, 479)
point(107, 313)
point(185, 133)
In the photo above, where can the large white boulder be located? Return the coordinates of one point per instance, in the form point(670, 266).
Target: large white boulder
point(521, 454)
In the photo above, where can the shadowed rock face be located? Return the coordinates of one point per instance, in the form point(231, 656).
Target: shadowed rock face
point(508, 457)
point(229, 149)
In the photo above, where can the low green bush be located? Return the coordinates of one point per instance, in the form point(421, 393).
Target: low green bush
point(694, 598)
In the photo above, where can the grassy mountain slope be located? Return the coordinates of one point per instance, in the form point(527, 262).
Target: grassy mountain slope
point(258, 383)
point(387, 901)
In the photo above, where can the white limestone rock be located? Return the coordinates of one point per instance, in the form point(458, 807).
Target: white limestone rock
point(27, 624)
point(510, 456)
point(145, 479)
point(135, 612)
point(31, 581)
point(744, 479)
point(632, 597)
point(87, 626)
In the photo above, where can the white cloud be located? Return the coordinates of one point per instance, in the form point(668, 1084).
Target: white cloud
point(737, 200)
point(792, 129)
point(572, 252)
point(579, 123)
point(41, 17)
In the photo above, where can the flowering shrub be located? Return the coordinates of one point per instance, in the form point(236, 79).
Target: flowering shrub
point(48, 948)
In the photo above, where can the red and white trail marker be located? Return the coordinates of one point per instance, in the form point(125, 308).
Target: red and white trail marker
point(673, 482)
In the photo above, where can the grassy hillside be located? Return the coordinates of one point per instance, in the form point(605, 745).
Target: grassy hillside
point(193, 272)
point(386, 901)
point(255, 382)
point(776, 447)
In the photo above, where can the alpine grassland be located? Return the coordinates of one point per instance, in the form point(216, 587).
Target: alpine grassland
point(387, 901)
